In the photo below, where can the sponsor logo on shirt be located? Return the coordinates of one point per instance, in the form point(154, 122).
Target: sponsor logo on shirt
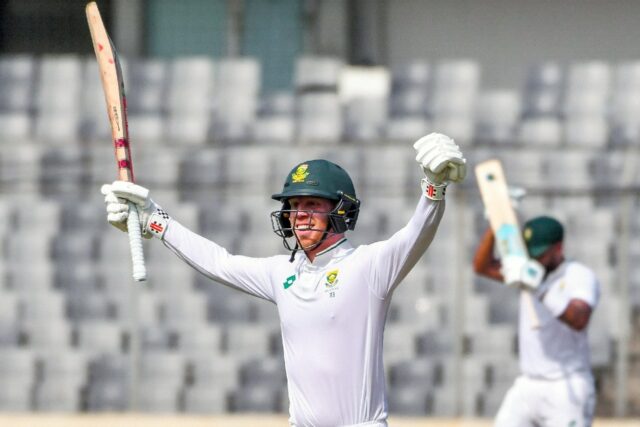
point(289, 281)
point(300, 174)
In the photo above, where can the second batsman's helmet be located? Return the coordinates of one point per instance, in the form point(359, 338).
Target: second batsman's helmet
point(319, 178)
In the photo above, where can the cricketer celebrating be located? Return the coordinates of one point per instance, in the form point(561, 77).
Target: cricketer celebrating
point(332, 298)
point(556, 386)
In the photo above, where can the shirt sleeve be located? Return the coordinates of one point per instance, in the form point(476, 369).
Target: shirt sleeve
point(580, 283)
point(392, 259)
point(247, 274)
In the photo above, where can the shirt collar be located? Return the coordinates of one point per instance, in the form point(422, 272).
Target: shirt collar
point(339, 249)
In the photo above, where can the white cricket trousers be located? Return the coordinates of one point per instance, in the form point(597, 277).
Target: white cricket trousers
point(566, 402)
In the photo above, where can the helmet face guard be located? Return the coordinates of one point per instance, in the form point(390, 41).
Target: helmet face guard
point(341, 218)
point(317, 178)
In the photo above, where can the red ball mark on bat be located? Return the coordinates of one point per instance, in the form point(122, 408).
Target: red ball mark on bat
point(110, 60)
point(121, 143)
point(124, 164)
point(100, 46)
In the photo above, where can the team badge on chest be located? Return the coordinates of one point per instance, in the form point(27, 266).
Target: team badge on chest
point(331, 283)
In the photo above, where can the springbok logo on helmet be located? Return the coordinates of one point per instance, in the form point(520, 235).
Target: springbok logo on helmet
point(300, 173)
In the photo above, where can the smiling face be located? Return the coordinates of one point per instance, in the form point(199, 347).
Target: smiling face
point(309, 219)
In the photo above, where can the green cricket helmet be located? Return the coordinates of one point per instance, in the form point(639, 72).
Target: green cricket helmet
point(318, 178)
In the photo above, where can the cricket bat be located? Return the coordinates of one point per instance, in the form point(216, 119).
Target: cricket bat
point(503, 219)
point(113, 86)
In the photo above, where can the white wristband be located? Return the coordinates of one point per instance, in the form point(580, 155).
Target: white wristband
point(158, 223)
point(433, 191)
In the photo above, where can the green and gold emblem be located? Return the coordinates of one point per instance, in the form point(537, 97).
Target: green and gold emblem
point(332, 278)
point(300, 173)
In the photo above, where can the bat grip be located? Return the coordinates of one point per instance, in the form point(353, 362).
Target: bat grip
point(135, 244)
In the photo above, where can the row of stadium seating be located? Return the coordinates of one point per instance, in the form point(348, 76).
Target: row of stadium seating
point(68, 307)
point(196, 100)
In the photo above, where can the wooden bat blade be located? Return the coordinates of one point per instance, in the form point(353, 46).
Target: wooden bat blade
point(114, 91)
point(502, 218)
point(113, 86)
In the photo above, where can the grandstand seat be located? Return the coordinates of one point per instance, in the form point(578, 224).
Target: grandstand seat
point(94, 126)
point(433, 342)
point(58, 128)
point(17, 76)
point(545, 103)
point(107, 395)
point(413, 74)
point(41, 306)
point(48, 334)
point(317, 73)
point(409, 399)
point(420, 372)
point(62, 171)
point(15, 126)
point(274, 129)
point(70, 365)
point(146, 83)
point(263, 371)
point(16, 394)
point(205, 399)
point(320, 119)
point(190, 129)
point(457, 75)
point(74, 246)
point(58, 86)
point(399, 343)
point(122, 303)
point(154, 338)
point(497, 115)
point(97, 337)
point(460, 128)
point(257, 398)
point(229, 306)
point(163, 367)
point(206, 369)
point(158, 397)
point(195, 340)
point(543, 131)
point(277, 103)
point(181, 309)
point(19, 171)
point(148, 128)
point(237, 83)
point(190, 85)
point(18, 371)
point(57, 395)
point(245, 341)
point(406, 128)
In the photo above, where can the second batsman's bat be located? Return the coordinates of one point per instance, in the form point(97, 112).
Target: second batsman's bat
point(113, 85)
point(503, 219)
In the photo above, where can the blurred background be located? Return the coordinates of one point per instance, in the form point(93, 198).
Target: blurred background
point(225, 97)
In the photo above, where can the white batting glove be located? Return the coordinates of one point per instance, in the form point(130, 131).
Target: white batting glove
point(521, 271)
point(118, 195)
point(442, 162)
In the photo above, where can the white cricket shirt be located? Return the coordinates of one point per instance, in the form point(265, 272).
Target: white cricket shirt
point(555, 350)
point(332, 313)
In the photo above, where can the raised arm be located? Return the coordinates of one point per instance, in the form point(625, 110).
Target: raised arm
point(442, 163)
point(250, 275)
point(484, 263)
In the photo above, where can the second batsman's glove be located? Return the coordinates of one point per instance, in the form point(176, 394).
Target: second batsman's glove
point(520, 271)
point(442, 162)
point(153, 219)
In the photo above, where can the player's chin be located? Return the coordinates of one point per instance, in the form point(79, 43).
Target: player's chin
point(308, 239)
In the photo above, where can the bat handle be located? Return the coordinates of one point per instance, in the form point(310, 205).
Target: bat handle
point(135, 244)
